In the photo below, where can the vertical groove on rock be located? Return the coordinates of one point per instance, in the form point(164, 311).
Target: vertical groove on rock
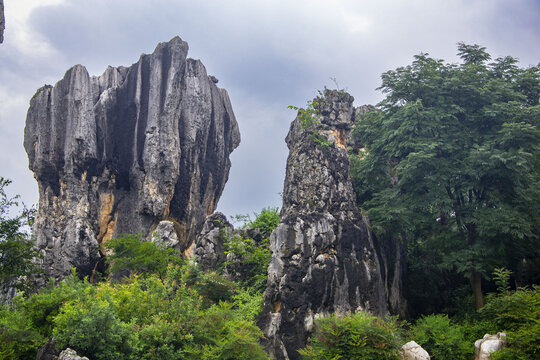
point(121, 152)
point(324, 259)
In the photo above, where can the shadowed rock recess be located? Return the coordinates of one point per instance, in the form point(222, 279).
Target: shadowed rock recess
point(324, 258)
point(2, 21)
point(136, 149)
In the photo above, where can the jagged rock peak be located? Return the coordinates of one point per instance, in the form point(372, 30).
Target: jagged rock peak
point(121, 152)
point(2, 21)
point(323, 256)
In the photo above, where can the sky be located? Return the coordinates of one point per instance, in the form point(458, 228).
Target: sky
point(267, 54)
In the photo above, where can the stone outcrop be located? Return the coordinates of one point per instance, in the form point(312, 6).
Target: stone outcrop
point(2, 21)
point(209, 251)
point(413, 351)
point(486, 346)
point(69, 354)
point(140, 149)
point(48, 351)
point(324, 258)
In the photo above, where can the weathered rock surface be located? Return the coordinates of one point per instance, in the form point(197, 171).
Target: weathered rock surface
point(69, 354)
point(413, 351)
point(209, 251)
point(486, 346)
point(2, 21)
point(324, 259)
point(125, 151)
point(48, 351)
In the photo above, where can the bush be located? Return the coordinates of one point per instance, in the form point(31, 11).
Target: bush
point(249, 261)
point(358, 336)
point(266, 221)
point(91, 327)
point(19, 339)
point(441, 339)
point(518, 314)
point(41, 308)
point(131, 254)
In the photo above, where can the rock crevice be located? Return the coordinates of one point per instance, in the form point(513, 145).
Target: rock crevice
point(121, 152)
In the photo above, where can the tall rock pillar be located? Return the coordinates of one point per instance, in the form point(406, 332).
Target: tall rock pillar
point(136, 149)
point(324, 258)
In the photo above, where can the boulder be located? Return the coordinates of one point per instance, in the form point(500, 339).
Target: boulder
point(69, 354)
point(413, 351)
point(486, 346)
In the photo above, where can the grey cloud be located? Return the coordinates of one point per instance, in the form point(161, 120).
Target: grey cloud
point(267, 54)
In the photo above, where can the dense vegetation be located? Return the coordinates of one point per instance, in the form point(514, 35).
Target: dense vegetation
point(16, 247)
point(153, 305)
point(451, 165)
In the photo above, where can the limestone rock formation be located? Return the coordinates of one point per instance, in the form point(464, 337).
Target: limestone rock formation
point(209, 251)
point(121, 152)
point(413, 351)
point(486, 346)
point(2, 21)
point(324, 259)
point(69, 354)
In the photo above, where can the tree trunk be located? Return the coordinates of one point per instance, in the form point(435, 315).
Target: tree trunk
point(476, 284)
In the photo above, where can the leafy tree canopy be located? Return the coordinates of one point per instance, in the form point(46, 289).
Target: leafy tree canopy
point(452, 159)
point(16, 249)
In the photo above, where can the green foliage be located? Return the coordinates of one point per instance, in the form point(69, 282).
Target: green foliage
point(249, 261)
point(41, 308)
point(518, 314)
point(441, 339)
point(16, 249)
point(358, 336)
point(19, 339)
point(451, 164)
point(308, 121)
point(266, 221)
point(502, 279)
point(248, 258)
point(131, 254)
point(91, 327)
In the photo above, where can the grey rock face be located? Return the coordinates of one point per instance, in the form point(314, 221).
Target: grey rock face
point(208, 248)
point(486, 346)
point(324, 259)
point(2, 21)
point(48, 351)
point(69, 354)
point(121, 152)
point(413, 351)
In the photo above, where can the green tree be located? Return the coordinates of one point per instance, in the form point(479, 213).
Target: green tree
point(452, 159)
point(266, 221)
point(16, 248)
point(131, 254)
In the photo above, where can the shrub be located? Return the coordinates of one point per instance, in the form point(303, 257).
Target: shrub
point(134, 255)
point(441, 339)
point(19, 339)
point(42, 307)
point(518, 314)
point(358, 336)
point(249, 261)
point(266, 221)
point(91, 327)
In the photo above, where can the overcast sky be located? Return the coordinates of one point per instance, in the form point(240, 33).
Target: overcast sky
point(268, 54)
